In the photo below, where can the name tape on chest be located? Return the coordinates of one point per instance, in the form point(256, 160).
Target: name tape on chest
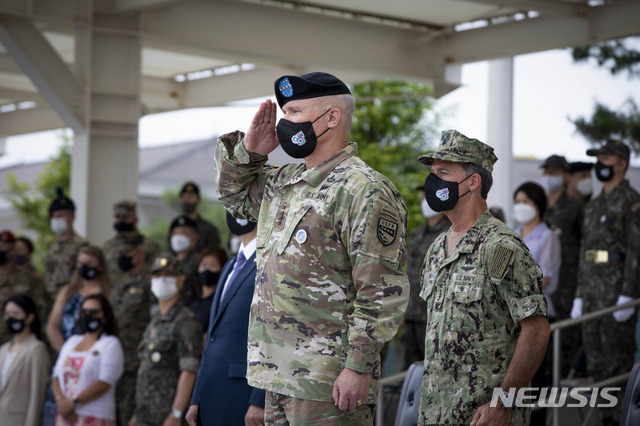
point(499, 262)
point(317, 196)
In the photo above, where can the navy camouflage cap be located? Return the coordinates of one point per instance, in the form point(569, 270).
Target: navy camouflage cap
point(556, 162)
point(612, 147)
point(125, 208)
point(167, 263)
point(308, 86)
point(456, 147)
point(130, 243)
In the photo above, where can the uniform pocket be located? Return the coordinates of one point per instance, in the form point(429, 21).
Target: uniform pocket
point(467, 310)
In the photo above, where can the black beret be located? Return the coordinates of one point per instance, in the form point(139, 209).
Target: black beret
point(61, 203)
point(190, 187)
point(579, 166)
point(183, 221)
point(308, 86)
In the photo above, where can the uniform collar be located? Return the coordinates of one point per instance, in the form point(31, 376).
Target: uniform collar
point(318, 174)
point(470, 238)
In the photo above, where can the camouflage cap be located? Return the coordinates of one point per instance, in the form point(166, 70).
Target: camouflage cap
point(125, 208)
point(555, 162)
point(456, 147)
point(130, 243)
point(167, 263)
point(611, 147)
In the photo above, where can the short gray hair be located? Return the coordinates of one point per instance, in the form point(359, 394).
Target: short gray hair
point(485, 176)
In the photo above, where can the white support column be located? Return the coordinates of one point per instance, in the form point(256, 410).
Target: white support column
point(500, 132)
point(105, 158)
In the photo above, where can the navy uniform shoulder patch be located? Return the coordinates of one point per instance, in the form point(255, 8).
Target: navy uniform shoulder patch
point(500, 260)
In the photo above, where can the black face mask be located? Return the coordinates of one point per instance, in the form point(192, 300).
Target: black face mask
point(125, 263)
point(603, 172)
point(298, 139)
point(14, 325)
point(442, 195)
point(123, 227)
point(239, 226)
point(87, 272)
point(3, 257)
point(89, 324)
point(188, 208)
point(209, 278)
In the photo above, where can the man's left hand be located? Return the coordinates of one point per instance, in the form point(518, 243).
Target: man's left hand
point(254, 416)
point(350, 389)
point(491, 416)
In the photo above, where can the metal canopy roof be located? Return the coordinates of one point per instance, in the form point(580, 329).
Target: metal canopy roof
point(200, 53)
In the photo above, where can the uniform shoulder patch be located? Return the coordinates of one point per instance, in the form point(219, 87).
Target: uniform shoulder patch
point(387, 230)
point(500, 260)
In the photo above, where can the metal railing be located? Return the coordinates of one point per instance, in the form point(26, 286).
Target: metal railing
point(556, 328)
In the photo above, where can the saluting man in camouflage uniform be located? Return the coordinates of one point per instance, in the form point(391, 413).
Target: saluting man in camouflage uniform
point(125, 223)
point(330, 285)
point(131, 301)
point(16, 279)
point(608, 272)
point(486, 315)
point(415, 319)
point(169, 352)
point(60, 260)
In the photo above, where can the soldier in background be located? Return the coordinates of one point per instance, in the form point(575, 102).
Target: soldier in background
point(184, 240)
point(208, 235)
point(169, 352)
point(16, 279)
point(564, 216)
point(131, 301)
point(415, 318)
point(24, 253)
point(608, 271)
point(125, 223)
point(580, 186)
point(60, 260)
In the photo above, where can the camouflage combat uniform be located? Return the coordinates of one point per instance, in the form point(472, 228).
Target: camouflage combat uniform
point(475, 298)
point(21, 280)
point(191, 287)
point(415, 319)
point(131, 300)
point(60, 261)
point(111, 251)
point(611, 222)
point(565, 218)
point(171, 344)
point(330, 285)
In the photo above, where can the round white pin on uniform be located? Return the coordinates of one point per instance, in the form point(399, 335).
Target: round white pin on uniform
point(301, 236)
point(156, 357)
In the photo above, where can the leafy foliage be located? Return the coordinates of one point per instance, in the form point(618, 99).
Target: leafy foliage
point(31, 204)
point(394, 123)
point(605, 123)
point(615, 55)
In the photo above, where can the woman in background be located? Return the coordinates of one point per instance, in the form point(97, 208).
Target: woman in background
point(88, 368)
point(211, 261)
point(24, 364)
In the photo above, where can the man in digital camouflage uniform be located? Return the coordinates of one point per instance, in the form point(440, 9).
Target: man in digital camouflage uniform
point(608, 271)
point(486, 315)
point(330, 285)
point(415, 318)
point(125, 223)
point(169, 352)
point(131, 301)
point(564, 216)
point(60, 260)
point(17, 279)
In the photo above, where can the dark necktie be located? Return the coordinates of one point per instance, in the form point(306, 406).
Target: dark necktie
point(240, 261)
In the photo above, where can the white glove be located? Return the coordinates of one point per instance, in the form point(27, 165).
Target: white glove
point(576, 310)
point(623, 314)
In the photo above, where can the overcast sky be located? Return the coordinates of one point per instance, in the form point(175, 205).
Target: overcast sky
point(548, 89)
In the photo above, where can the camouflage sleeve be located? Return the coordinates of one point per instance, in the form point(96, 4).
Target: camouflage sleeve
point(630, 287)
point(241, 176)
point(189, 343)
point(517, 279)
point(377, 239)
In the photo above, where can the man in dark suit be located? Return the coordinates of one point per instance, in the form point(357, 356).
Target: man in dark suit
point(221, 394)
